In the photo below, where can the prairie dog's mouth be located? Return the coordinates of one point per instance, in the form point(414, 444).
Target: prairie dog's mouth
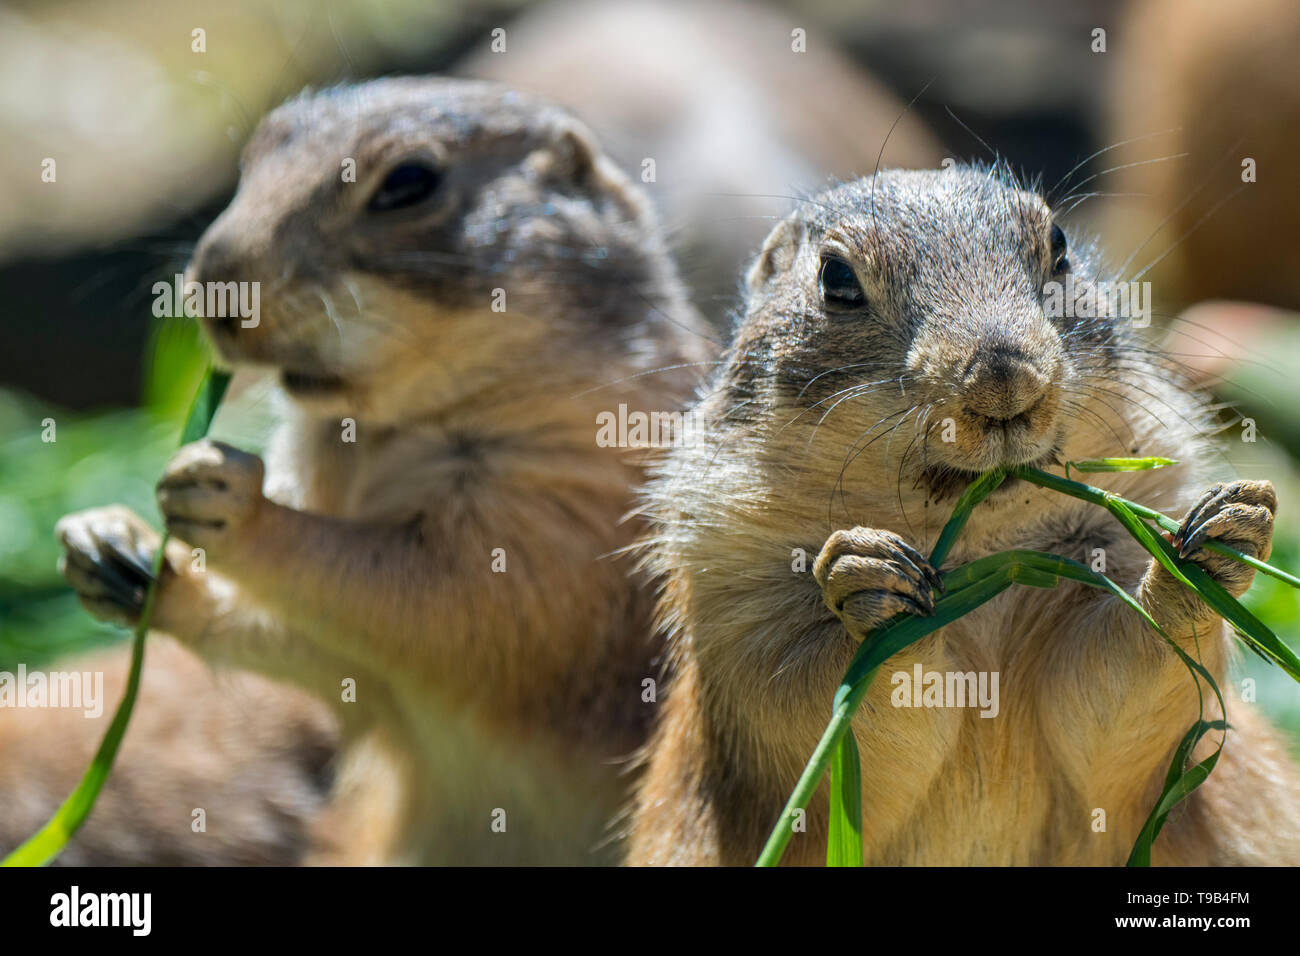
point(947, 481)
point(305, 384)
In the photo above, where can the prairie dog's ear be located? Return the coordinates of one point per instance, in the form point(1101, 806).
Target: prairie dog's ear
point(779, 252)
point(573, 156)
point(572, 152)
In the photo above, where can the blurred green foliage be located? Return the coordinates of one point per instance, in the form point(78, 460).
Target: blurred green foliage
point(1278, 606)
point(111, 457)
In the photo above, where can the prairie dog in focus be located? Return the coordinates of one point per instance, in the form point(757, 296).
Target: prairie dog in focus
point(877, 314)
point(435, 519)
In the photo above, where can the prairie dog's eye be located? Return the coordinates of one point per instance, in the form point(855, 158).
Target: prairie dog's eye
point(405, 185)
point(1059, 262)
point(841, 291)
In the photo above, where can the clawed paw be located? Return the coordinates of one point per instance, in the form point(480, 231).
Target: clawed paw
point(1240, 515)
point(108, 556)
point(867, 576)
point(209, 492)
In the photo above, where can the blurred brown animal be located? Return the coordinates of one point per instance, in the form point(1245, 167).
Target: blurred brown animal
point(733, 118)
point(435, 522)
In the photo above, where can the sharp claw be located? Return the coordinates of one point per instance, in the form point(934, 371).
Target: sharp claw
point(132, 563)
point(1191, 541)
point(1193, 517)
point(902, 558)
point(114, 579)
point(1194, 541)
point(936, 579)
point(918, 608)
point(918, 563)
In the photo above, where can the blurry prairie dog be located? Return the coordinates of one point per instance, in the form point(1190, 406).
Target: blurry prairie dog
point(216, 769)
point(877, 314)
point(714, 93)
point(434, 525)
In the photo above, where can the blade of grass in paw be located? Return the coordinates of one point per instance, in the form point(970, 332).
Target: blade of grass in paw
point(44, 845)
point(1253, 632)
point(846, 795)
point(844, 842)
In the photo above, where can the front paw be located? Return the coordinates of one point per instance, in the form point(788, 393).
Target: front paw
point(210, 493)
point(108, 556)
point(1238, 514)
point(868, 576)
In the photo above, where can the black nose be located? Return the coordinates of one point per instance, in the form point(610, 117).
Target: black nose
point(1001, 382)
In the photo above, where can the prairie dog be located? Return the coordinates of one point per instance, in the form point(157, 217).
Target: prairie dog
point(713, 94)
point(878, 313)
point(216, 769)
point(433, 525)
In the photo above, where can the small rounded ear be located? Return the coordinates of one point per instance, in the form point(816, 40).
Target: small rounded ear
point(778, 254)
point(571, 154)
point(578, 146)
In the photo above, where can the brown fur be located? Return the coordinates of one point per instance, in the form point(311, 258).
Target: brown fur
point(475, 431)
point(253, 755)
point(823, 423)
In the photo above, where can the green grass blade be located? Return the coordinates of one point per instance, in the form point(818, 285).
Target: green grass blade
point(976, 582)
point(977, 491)
point(899, 632)
point(1097, 496)
point(1178, 784)
point(1253, 631)
point(846, 809)
point(44, 845)
point(1119, 464)
point(1170, 525)
point(906, 629)
point(212, 389)
point(844, 842)
point(967, 588)
point(1249, 628)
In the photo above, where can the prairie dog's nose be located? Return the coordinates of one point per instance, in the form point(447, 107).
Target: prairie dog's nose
point(214, 260)
point(1001, 382)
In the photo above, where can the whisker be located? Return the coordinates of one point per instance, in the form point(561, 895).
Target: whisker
point(1087, 159)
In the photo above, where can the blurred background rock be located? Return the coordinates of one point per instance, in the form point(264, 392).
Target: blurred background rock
point(145, 133)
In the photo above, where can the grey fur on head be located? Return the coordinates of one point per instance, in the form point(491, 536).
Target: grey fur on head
point(954, 267)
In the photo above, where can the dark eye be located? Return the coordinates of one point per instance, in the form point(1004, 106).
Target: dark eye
point(1059, 262)
point(405, 185)
point(841, 291)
